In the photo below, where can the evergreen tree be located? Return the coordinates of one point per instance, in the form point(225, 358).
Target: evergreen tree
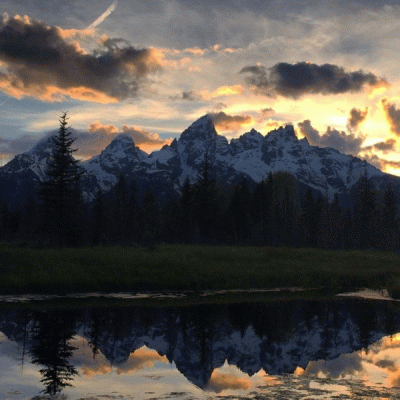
point(365, 214)
point(132, 214)
point(286, 209)
point(99, 215)
point(207, 204)
point(60, 192)
point(308, 220)
point(149, 218)
point(240, 211)
point(52, 350)
point(185, 215)
point(389, 238)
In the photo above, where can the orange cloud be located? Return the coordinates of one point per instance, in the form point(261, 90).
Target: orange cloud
point(219, 382)
point(96, 126)
point(222, 91)
point(45, 63)
point(90, 372)
point(195, 50)
point(145, 140)
point(140, 359)
point(227, 122)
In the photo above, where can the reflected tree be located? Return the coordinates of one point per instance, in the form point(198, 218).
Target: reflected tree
point(52, 350)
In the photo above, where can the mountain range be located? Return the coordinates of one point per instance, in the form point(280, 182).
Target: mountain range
point(276, 337)
point(252, 156)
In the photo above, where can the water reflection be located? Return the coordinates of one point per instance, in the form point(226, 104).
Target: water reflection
point(217, 347)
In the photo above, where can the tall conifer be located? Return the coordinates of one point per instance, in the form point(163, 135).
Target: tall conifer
point(60, 192)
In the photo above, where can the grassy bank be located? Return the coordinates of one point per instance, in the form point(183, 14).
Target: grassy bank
point(178, 267)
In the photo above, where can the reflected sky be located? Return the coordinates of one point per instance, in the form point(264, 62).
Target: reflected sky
point(159, 367)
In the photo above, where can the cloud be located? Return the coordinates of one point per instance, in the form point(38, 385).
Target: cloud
point(90, 372)
point(356, 118)
point(296, 80)
point(227, 91)
point(385, 146)
point(339, 140)
point(392, 115)
point(141, 358)
point(219, 382)
point(311, 134)
point(12, 147)
point(103, 16)
point(227, 122)
point(222, 91)
point(267, 112)
point(145, 140)
point(96, 126)
point(42, 63)
point(381, 163)
point(190, 95)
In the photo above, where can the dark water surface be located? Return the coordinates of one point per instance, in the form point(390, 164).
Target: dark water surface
point(338, 347)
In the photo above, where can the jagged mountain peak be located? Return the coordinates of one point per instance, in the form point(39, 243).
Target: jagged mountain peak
point(249, 140)
point(286, 133)
point(202, 129)
point(121, 146)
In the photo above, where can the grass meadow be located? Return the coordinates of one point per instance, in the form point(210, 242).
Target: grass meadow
point(26, 270)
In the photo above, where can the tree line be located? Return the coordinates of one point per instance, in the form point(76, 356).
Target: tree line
point(271, 213)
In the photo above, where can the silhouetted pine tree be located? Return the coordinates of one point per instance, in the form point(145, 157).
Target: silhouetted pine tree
point(239, 208)
point(365, 215)
point(261, 211)
point(286, 209)
point(186, 213)
point(60, 192)
point(207, 204)
point(389, 232)
point(149, 219)
point(99, 219)
point(132, 214)
point(52, 350)
point(120, 207)
point(308, 219)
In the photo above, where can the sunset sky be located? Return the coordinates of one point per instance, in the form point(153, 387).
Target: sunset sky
point(150, 68)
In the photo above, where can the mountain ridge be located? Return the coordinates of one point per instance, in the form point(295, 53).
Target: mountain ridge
point(251, 156)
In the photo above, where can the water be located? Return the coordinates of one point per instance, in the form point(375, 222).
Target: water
point(343, 348)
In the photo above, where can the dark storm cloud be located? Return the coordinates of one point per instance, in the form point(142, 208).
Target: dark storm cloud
point(392, 115)
point(230, 122)
point(339, 140)
point(43, 62)
point(296, 80)
point(356, 118)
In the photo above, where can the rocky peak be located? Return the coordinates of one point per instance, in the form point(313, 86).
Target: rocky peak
point(247, 141)
point(203, 129)
point(283, 133)
point(121, 147)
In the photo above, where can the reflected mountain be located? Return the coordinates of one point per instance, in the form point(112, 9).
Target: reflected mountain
point(276, 337)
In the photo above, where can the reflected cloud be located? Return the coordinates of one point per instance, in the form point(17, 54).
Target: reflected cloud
point(220, 382)
point(142, 358)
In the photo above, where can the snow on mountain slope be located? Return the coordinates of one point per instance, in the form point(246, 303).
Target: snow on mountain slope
point(251, 156)
point(120, 156)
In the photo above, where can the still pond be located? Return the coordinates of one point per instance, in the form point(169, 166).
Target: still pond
point(336, 347)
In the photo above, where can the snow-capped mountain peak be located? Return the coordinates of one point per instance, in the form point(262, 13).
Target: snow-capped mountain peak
point(203, 129)
point(251, 156)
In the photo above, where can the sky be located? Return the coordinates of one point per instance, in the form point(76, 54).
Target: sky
point(150, 68)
